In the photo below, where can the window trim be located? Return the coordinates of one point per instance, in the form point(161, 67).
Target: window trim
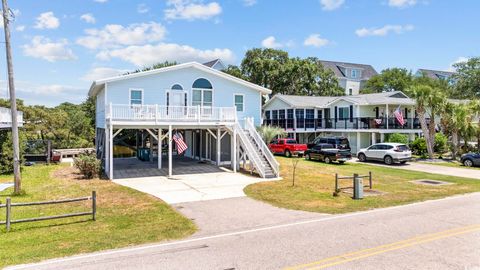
point(348, 114)
point(130, 90)
point(235, 103)
point(202, 93)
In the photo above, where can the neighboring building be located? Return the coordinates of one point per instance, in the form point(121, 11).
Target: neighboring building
point(363, 119)
point(435, 74)
point(215, 64)
point(203, 104)
point(6, 118)
point(351, 77)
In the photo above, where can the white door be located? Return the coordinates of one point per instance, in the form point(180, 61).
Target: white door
point(176, 103)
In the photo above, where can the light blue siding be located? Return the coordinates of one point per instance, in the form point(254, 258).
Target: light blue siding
point(100, 110)
point(155, 85)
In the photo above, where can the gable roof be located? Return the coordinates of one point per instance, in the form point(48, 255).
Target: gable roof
point(338, 68)
point(394, 98)
point(435, 74)
point(100, 84)
point(216, 62)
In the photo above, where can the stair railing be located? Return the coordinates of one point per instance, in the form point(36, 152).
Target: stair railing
point(250, 127)
point(252, 154)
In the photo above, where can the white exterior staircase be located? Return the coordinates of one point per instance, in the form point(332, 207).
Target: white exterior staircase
point(254, 150)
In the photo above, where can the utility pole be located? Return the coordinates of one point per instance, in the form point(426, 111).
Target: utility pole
point(13, 101)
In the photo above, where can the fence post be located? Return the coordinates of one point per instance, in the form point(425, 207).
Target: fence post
point(8, 213)
point(94, 205)
point(336, 182)
point(370, 179)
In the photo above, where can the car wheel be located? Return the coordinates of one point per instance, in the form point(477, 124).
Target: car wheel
point(362, 157)
point(388, 160)
point(341, 162)
point(468, 163)
point(327, 160)
point(288, 153)
point(307, 156)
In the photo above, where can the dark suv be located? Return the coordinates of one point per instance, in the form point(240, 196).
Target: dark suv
point(341, 143)
point(470, 159)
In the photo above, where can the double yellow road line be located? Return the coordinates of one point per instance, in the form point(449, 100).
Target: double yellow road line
point(360, 254)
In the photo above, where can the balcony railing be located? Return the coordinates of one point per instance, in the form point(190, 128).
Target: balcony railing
point(6, 118)
point(161, 113)
point(348, 123)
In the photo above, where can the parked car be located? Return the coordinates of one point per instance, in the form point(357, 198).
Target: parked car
point(470, 159)
point(288, 147)
point(337, 142)
point(328, 153)
point(386, 152)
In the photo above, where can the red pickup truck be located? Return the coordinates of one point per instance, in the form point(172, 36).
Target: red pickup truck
point(287, 147)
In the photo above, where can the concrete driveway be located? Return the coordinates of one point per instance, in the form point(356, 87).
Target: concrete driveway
point(193, 187)
point(429, 168)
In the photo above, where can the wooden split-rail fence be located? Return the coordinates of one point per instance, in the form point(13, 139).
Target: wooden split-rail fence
point(9, 207)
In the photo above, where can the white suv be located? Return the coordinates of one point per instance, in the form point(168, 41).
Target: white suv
point(386, 152)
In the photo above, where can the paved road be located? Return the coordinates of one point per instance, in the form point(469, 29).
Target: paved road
point(429, 168)
point(442, 234)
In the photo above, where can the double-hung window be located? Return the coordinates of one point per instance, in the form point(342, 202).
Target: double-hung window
point(344, 113)
point(239, 102)
point(136, 97)
point(202, 93)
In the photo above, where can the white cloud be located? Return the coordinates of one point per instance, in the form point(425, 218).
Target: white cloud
point(249, 3)
point(331, 4)
point(20, 28)
point(151, 54)
point(115, 35)
point(271, 42)
point(191, 10)
point(88, 18)
point(100, 1)
point(47, 20)
point(101, 73)
point(44, 48)
point(401, 3)
point(142, 8)
point(383, 31)
point(316, 41)
point(458, 60)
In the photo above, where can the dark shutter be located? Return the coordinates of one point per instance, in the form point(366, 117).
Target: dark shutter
point(377, 115)
point(406, 113)
point(351, 113)
point(336, 113)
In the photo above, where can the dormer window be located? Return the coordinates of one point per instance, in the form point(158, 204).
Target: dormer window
point(354, 73)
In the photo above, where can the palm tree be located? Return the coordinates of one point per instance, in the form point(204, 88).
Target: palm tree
point(429, 101)
point(475, 109)
point(269, 133)
point(458, 123)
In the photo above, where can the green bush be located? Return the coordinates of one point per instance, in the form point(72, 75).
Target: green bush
point(88, 165)
point(440, 144)
point(419, 146)
point(6, 151)
point(397, 138)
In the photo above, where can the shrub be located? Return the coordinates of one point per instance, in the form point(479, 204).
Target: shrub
point(440, 144)
point(87, 164)
point(6, 151)
point(397, 138)
point(419, 146)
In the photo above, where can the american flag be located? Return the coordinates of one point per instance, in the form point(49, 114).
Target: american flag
point(398, 114)
point(181, 145)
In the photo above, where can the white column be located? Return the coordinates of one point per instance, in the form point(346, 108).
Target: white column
point(386, 113)
point(170, 151)
point(374, 137)
point(107, 151)
point(201, 145)
point(218, 146)
point(110, 156)
point(151, 147)
point(160, 150)
point(382, 137)
point(358, 142)
point(234, 152)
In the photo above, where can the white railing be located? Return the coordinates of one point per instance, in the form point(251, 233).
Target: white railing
point(250, 126)
point(159, 113)
point(251, 151)
point(6, 117)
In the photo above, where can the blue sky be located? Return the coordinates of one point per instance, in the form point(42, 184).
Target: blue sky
point(60, 48)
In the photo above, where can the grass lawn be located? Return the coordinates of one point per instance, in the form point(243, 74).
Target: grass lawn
point(315, 183)
point(124, 217)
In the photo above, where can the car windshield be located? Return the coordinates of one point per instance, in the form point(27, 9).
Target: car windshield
point(291, 141)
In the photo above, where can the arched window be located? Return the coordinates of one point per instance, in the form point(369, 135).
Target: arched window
point(202, 83)
point(202, 93)
point(177, 87)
